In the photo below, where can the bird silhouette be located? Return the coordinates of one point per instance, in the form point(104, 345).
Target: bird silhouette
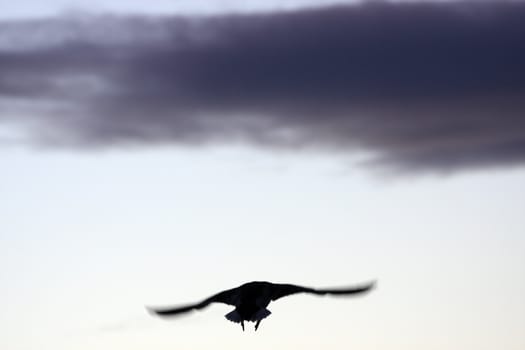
point(251, 299)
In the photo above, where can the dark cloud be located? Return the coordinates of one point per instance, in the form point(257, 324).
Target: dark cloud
point(414, 86)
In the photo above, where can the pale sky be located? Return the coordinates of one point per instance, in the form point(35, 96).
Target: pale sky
point(29, 8)
point(36, 8)
point(89, 235)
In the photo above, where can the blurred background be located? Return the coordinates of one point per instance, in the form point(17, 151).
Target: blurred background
point(96, 224)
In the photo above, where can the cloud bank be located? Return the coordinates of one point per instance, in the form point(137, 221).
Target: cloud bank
point(414, 86)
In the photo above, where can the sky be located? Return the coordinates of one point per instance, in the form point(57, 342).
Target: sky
point(156, 154)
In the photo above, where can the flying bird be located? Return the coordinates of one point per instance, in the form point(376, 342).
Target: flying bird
point(251, 299)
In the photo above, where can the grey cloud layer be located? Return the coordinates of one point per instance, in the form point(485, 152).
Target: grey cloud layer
point(415, 86)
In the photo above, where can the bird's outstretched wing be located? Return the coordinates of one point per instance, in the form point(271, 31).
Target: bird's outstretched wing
point(226, 297)
point(282, 290)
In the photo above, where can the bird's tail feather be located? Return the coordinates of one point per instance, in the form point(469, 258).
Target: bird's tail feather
point(233, 316)
point(261, 314)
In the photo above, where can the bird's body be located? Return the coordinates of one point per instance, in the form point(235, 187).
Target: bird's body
point(251, 299)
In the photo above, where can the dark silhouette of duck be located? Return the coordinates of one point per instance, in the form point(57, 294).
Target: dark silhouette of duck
point(251, 299)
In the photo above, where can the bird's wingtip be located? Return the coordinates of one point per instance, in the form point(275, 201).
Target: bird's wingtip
point(371, 285)
point(150, 310)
